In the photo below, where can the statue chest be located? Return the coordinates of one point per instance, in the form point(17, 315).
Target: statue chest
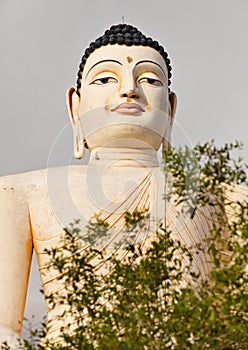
point(93, 192)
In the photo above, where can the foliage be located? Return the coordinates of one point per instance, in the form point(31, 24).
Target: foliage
point(196, 175)
point(138, 304)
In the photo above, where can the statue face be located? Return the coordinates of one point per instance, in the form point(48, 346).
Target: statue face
point(124, 97)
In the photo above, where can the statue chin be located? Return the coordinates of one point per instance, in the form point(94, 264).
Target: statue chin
point(124, 135)
point(116, 130)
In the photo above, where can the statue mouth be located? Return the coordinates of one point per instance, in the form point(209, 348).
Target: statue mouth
point(128, 108)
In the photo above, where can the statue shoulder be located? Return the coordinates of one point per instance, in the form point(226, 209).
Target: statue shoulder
point(236, 193)
point(236, 197)
point(24, 185)
point(38, 178)
point(20, 182)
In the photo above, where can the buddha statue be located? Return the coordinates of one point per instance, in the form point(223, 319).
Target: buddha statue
point(122, 110)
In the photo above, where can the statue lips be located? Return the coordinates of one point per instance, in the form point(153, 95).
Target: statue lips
point(128, 108)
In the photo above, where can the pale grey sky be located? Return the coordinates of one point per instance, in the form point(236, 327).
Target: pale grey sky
point(41, 43)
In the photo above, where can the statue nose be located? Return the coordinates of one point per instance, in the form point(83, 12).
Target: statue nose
point(131, 93)
point(129, 88)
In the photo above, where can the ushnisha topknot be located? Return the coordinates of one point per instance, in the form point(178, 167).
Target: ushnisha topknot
point(122, 34)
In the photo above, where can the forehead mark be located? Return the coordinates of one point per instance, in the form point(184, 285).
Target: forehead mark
point(129, 59)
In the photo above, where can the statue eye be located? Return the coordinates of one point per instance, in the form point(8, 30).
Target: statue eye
point(151, 81)
point(104, 81)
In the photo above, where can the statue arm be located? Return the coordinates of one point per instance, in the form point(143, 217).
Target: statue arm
point(235, 194)
point(15, 260)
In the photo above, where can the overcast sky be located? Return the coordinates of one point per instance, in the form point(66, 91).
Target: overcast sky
point(41, 43)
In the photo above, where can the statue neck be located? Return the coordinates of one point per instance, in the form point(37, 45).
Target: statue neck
point(124, 157)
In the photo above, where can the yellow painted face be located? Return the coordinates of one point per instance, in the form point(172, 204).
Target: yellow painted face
point(124, 85)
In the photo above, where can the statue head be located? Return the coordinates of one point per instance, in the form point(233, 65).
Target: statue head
point(122, 98)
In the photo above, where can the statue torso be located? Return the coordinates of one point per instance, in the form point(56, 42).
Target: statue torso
point(57, 197)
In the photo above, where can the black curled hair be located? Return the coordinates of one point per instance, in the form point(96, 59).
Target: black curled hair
point(122, 34)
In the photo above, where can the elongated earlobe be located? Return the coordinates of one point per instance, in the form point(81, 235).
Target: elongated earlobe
point(78, 139)
point(72, 100)
point(166, 143)
point(173, 104)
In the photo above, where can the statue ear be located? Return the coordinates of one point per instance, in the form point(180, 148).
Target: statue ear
point(72, 101)
point(173, 104)
point(172, 111)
